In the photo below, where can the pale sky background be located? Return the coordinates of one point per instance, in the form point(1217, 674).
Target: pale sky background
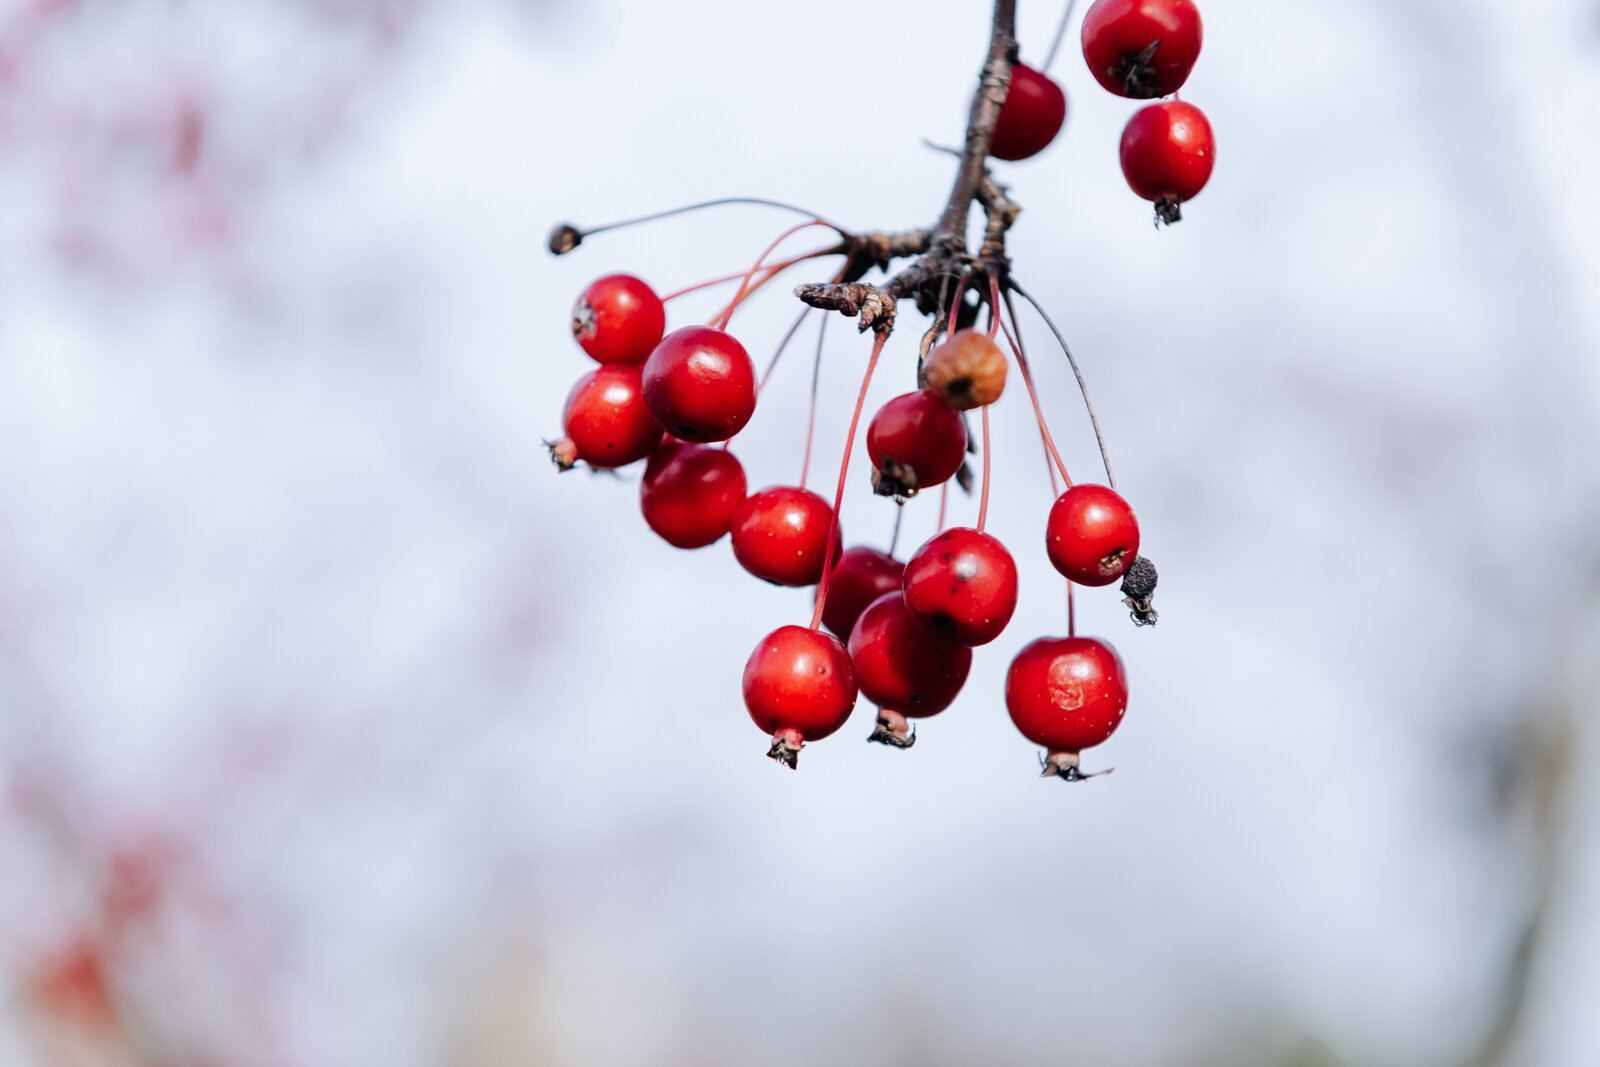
point(453, 747)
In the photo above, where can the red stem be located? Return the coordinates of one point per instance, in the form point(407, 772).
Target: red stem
point(1027, 379)
point(772, 364)
point(771, 269)
point(955, 305)
point(744, 287)
point(844, 471)
point(1055, 491)
point(983, 497)
point(811, 418)
point(1049, 468)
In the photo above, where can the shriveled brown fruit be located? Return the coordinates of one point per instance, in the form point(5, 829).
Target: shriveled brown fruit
point(967, 371)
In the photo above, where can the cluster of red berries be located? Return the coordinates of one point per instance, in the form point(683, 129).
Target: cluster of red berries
point(902, 634)
point(1140, 49)
point(899, 633)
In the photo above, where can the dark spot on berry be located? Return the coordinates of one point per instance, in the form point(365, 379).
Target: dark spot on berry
point(942, 622)
point(583, 320)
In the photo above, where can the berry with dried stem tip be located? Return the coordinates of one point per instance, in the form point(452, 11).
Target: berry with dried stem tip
point(892, 729)
point(1167, 154)
point(781, 534)
point(690, 493)
point(963, 583)
point(968, 371)
point(606, 421)
point(904, 664)
point(1141, 48)
point(618, 319)
point(700, 384)
point(799, 686)
point(1138, 586)
point(1030, 118)
point(861, 576)
point(1066, 694)
point(915, 440)
point(1091, 536)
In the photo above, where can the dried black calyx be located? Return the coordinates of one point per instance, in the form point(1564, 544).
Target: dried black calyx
point(1138, 586)
point(785, 752)
point(895, 479)
point(563, 453)
point(1137, 73)
point(1065, 766)
point(964, 478)
point(564, 238)
point(888, 732)
point(1168, 211)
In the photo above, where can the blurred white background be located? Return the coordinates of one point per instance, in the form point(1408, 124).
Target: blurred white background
point(336, 729)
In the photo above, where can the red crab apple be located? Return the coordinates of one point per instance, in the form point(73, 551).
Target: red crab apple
point(799, 686)
point(906, 667)
point(1067, 694)
point(700, 384)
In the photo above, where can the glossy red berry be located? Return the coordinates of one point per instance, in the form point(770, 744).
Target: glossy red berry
point(799, 686)
point(690, 492)
point(1092, 536)
point(781, 535)
point(1141, 48)
point(1167, 155)
point(618, 319)
point(606, 421)
point(1067, 694)
point(861, 576)
point(915, 440)
point(1030, 118)
point(904, 665)
point(963, 583)
point(700, 384)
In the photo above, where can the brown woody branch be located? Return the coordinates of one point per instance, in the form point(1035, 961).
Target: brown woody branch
point(993, 84)
point(946, 251)
point(1001, 212)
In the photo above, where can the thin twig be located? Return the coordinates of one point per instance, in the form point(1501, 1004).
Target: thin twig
point(1094, 420)
point(993, 84)
point(811, 418)
point(948, 252)
point(1061, 33)
point(564, 237)
point(783, 344)
point(1013, 335)
point(844, 473)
